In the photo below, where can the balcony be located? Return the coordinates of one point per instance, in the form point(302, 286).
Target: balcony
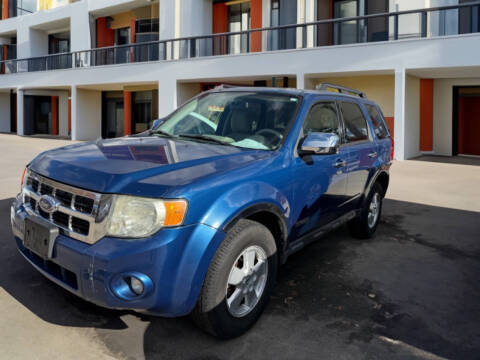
point(393, 26)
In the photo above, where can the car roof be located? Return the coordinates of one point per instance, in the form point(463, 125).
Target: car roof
point(287, 91)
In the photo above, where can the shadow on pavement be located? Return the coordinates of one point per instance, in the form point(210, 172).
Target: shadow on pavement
point(410, 292)
point(458, 160)
point(42, 297)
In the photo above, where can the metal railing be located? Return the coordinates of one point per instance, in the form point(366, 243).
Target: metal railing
point(420, 23)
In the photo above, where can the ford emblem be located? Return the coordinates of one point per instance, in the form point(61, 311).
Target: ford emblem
point(48, 204)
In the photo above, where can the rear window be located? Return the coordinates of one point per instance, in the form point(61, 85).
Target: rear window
point(379, 126)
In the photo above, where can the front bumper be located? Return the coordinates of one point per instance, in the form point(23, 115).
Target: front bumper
point(175, 259)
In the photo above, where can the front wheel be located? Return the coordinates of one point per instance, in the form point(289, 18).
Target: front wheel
point(238, 282)
point(365, 224)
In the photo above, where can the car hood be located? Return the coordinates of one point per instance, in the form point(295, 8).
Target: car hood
point(144, 166)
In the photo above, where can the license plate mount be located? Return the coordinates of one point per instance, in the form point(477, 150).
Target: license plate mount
point(40, 236)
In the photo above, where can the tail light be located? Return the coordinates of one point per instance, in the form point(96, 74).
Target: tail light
point(392, 148)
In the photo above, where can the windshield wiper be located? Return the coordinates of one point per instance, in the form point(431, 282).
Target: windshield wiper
point(205, 138)
point(160, 132)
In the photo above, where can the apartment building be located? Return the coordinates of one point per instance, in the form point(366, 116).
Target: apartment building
point(105, 68)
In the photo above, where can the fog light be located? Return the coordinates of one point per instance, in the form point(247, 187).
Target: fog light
point(136, 285)
point(131, 285)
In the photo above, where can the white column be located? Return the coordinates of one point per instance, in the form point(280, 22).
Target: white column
point(167, 97)
point(301, 81)
point(310, 16)
point(20, 107)
point(266, 21)
point(74, 113)
point(399, 117)
point(300, 20)
point(86, 114)
point(63, 113)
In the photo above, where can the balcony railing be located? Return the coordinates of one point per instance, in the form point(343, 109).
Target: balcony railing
point(420, 23)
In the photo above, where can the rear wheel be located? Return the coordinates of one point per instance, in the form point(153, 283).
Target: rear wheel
point(239, 281)
point(365, 224)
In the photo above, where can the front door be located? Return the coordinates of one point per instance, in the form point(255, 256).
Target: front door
point(362, 151)
point(320, 188)
point(469, 122)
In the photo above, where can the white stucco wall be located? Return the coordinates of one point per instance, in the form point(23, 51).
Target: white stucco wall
point(80, 38)
point(4, 112)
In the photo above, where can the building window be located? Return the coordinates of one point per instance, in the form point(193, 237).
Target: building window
point(25, 7)
point(283, 12)
point(345, 32)
point(238, 20)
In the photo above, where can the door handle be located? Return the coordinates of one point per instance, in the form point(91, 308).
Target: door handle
point(340, 163)
point(372, 155)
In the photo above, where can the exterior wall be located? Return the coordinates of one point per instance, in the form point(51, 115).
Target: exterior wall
point(4, 112)
point(380, 88)
point(86, 114)
point(185, 91)
point(443, 112)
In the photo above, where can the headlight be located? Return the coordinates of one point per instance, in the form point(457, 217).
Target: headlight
point(137, 217)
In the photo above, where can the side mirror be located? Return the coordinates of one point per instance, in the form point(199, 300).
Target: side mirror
point(157, 123)
point(320, 144)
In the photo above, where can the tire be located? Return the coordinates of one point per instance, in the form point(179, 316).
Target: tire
point(212, 313)
point(361, 227)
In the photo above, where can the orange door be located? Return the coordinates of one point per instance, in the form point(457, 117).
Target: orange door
point(469, 125)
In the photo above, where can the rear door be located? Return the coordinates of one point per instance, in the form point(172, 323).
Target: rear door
point(362, 150)
point(381, 133)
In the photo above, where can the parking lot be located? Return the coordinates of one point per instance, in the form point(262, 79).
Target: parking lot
point(410, 292)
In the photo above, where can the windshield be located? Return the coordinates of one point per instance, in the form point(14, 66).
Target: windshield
point(243, 119)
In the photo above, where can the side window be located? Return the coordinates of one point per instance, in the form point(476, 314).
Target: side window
point(377, 121)
point(355, 124)
point(322, 118)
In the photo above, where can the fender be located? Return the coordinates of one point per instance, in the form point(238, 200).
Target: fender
point(244, 201)
point(263, 207)
point(384, 169)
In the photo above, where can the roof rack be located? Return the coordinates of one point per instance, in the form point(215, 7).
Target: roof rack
point(341, 89)
point(224, 86)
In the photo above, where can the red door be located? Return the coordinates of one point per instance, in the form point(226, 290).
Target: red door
point(469, 125)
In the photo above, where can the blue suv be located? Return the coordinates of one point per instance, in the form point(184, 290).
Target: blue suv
point(195, 215)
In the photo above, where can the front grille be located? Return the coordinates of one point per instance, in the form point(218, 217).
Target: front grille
point(80, 226)
point(84, 204)
point(46, 189)
point(76, 212)
point(64, 197)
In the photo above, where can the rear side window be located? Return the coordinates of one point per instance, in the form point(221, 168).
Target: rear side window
point(378, 122)
point(322, 118)
point(355, 124)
